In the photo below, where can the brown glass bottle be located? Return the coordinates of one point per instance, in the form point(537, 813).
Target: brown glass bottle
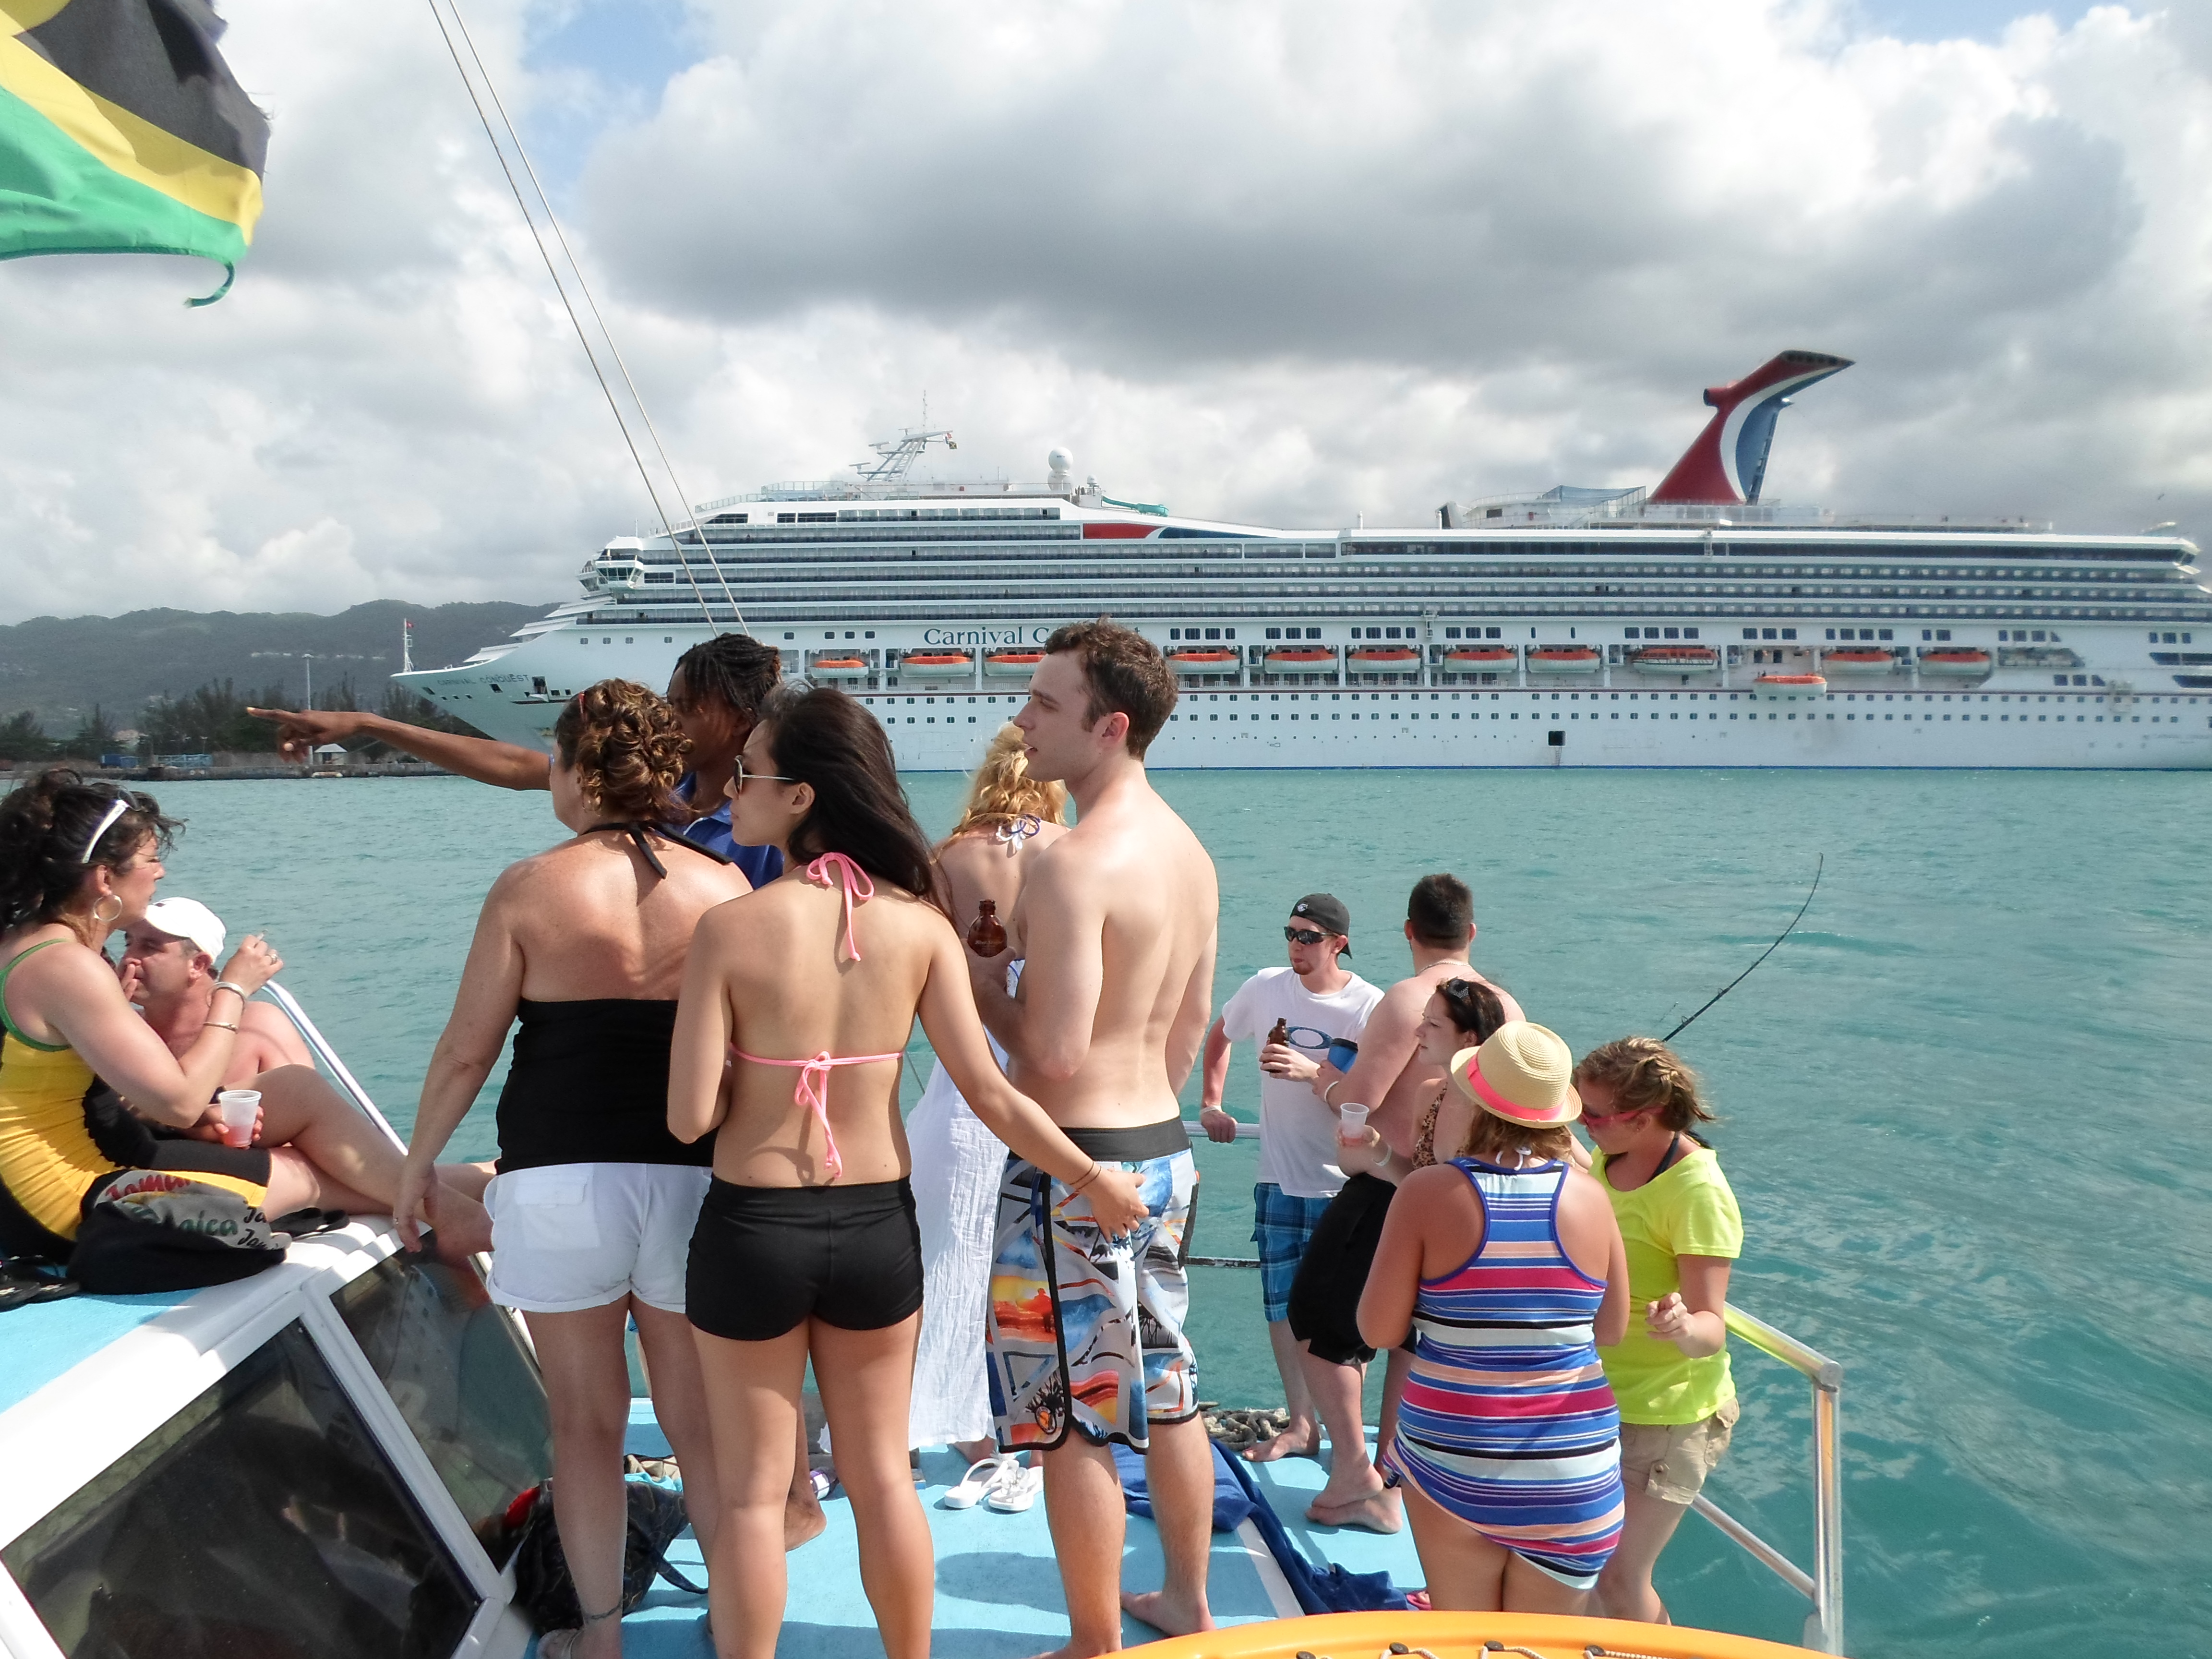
point(1281, 1033)
point(987, 934)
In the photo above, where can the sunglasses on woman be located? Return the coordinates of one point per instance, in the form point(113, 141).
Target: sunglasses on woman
point(738, 775)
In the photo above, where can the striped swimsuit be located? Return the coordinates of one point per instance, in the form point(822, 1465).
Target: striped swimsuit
point(1507, 1422)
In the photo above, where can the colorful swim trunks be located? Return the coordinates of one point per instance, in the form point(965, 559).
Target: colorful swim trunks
point(1084, 1332)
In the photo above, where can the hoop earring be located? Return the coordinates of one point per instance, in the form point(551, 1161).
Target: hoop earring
point(109, 921)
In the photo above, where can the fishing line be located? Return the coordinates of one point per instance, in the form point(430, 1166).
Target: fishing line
point(1762, 955)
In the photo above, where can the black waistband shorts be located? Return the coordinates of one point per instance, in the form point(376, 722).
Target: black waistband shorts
point(764, 1259)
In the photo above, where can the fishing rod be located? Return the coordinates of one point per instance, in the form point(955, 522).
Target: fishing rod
point(1762, 955)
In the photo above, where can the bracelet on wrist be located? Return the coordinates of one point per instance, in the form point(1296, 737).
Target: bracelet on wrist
point(242, 993)
point(1082, 1181)
point(1329, 1090)
point(220, 1025)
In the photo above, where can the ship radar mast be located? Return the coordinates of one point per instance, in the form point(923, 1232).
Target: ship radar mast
point(896, 457)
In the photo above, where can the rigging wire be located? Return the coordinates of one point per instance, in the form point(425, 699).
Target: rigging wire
point(1762, 955)
point(697, 535)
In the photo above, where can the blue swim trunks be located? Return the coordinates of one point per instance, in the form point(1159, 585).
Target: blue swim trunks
point(1282, 1226)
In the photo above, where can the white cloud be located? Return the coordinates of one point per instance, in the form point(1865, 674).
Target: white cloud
point(1280, 262)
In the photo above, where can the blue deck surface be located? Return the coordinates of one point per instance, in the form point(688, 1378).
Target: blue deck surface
point(39, 1342)
point(998, 1585)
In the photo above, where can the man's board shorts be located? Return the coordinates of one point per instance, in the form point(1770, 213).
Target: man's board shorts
point(1085, 1332)
point(1281, 1226)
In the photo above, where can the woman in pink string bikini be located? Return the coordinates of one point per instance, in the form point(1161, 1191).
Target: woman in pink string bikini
point(798, 1002)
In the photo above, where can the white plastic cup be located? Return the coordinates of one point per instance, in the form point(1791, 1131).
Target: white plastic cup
point(1351, 1121)
point(239, 1108)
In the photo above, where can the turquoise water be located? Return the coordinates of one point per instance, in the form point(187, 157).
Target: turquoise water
point(1966, 1112)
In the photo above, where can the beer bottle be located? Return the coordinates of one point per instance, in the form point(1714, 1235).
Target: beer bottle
point(987, 934)
point(1281, 1033)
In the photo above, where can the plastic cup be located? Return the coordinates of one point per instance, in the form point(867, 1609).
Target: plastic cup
point(239, 1108)
point(1351, 1121)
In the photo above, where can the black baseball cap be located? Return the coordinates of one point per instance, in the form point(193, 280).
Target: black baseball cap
point(1326, 912)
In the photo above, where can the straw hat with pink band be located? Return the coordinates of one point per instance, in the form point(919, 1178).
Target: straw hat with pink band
point(1525, 1073)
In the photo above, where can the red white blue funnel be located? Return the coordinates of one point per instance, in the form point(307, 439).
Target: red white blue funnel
point(1728, 463)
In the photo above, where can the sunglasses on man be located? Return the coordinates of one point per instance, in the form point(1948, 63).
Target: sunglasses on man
point(1303, 936)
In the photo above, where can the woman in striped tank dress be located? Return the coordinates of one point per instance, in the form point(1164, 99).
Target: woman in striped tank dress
point(1507, 1264)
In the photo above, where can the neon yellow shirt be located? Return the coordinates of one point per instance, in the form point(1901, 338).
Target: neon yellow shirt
point(1688, 1210)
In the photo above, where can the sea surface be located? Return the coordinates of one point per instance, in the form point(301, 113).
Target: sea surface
point(1967, 1113)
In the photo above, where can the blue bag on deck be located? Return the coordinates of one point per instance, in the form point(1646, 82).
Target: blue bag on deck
point(1231, 1502)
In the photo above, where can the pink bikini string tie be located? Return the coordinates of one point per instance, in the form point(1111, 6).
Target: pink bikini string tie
point(812, 1092)
point(857, 886)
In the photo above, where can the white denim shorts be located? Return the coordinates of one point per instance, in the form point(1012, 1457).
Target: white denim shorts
point(569, 1236)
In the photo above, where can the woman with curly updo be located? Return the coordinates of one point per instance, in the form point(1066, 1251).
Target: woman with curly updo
point(594, 1202)
point(1670, 1370)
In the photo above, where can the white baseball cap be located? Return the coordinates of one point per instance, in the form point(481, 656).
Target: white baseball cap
point(188, 918)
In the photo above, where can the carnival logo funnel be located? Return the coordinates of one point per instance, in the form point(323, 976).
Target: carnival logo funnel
point(1728, 463)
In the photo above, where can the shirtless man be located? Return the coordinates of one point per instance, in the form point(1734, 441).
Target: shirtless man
point(168, 970)
point(1117, 921)
point(1390, 1074)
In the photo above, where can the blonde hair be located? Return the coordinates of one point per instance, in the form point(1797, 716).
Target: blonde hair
point(1490, 1134)
point(1644, 1074)
point(627, 747)
point(1002, 789)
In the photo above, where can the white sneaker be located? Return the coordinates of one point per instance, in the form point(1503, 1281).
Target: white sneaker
point(981, 1475)
point(1014, 1488)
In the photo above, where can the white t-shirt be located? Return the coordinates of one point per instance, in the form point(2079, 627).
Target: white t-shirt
point(1298, 1133)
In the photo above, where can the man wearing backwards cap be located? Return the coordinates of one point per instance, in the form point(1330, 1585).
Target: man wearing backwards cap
point(168, 969)
point(1319, 1002)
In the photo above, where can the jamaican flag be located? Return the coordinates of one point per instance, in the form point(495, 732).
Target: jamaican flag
point(122, 131)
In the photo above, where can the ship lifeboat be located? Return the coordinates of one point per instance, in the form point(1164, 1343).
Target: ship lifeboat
point(1675, 658)
point(1967, 662)
point(1478, 656)
point(1300, 659)
point(1385, 659)
point(1202, 662)
point(1562, 658)
point(1013, 665)
point(839, 668)
point(937, 664)
point(1790, 688)
point(1862, 660)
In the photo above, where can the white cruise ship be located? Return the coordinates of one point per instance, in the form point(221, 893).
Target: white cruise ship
point(1687, 625)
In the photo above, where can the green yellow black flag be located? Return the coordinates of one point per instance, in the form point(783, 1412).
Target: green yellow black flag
point(122, 131)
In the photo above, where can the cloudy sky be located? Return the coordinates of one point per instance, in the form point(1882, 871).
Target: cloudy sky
point(1262, 259)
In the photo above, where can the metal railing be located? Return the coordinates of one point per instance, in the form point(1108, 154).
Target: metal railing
point(320, 1045)
point(1824, 1586)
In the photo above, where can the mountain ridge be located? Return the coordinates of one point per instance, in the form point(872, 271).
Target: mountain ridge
point(58, 667)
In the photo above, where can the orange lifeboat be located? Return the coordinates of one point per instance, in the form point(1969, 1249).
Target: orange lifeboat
point(1212, 660)
point(1385, 659)
point(1562, 658)
point(1300, 659)
point(839, 668)
point(1478, 656)
point(1790, 688)
point(1963, 661)
point(937, 664)
point(1013, 665)
point(1859, 660)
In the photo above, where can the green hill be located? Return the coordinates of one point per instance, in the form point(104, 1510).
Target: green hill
point(59, 667)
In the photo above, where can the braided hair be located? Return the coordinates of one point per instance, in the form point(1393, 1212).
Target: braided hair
point(1644, 1074)
point(47, 841)
point(734, 669)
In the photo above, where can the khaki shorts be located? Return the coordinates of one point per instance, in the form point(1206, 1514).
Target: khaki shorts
point(1670, 1461)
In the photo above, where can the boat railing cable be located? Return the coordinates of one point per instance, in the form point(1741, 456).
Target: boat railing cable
point(697, 535)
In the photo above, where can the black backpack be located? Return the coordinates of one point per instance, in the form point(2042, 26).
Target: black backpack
point(543, 1589)
point(151, 1231)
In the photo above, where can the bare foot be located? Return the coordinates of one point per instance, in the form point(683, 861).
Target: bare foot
point(1171, 1616)
point(1384, 1512)
point(973, 1452)
point(803, 1522)
point(1297, 1441)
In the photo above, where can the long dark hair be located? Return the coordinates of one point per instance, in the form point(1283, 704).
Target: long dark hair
point(44, 825)
point(818, 735)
